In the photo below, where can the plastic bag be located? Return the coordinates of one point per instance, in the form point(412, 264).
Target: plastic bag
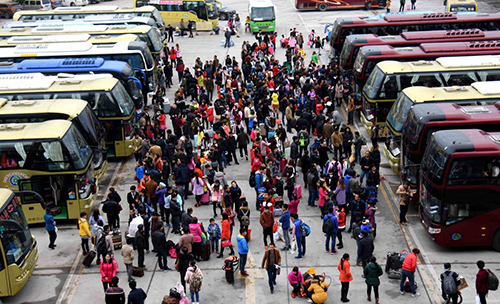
point(185, 300)
point(180, 289)
point(478, 300)
point(293, 247)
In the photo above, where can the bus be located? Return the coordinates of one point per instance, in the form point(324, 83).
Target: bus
point(172, 11)
point(328, 5)
point(66, 13)
point(457, 6)
point(120, 70)
point(18, 248)
point(74, 110)
point(13, 41)
point(459, 192)
point(135, 53)
point(262, 16)
point(425, 119)
point(109, 20)
point(106, 96)
point(353, 43)
point(389, 78)
point(52, 159)
point(369, 56)
point(99, 33)
point(397, 24)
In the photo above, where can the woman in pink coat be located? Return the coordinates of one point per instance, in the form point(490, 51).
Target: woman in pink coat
point(198, 190)
point(108, 270)
point(195, 230)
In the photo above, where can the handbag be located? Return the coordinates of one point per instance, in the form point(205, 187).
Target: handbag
point(225, 243)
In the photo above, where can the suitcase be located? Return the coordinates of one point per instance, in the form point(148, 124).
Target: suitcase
point(205, 251)
point(262, 128)
point(116, 236)
point(230, 275)
point(87, 261)
point(249, 234)
point(137, 271)
point(283, 163)
point(205, 198)
point(298, 190)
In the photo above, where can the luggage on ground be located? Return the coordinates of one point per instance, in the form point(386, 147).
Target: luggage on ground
point(298, 190)
point(87, 261)
point(116, 236)
point(393, 265)
point(231, 264)
point(137, 271)
point(205, 251)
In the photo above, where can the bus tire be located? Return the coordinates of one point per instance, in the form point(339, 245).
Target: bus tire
point(72, 4)
point(7, 15)
point(323, 7)
point(368, 5)
point(496, 240)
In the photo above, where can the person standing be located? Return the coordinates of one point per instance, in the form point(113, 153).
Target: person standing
point(194, 279)
point(227, 35)
point(366, 248)
point(388, 6)
point(160, 246)
point(358, 142)
point(337, 142)
point(298, 237)
point(50, 226)
point(182, 26)
point(108, 270)
point(112, 209)
point(272, 263)
point(285, 225)
point(345, 277)
point(413, 4)
point(84, 231)
point(408, 271)
point(195, 230)
point(267, 222)
point(351, 107)
point(402, 5)
point(366, 165)
point(372, 272)
point(449, 284)
point(128, 257)
point(170, 31)
point(404, 201)
point(114, 294)
point(481, 282)
point(330, 229)
point(136, 295)
point(242, 250)
point(225, 235)
point(140, 243)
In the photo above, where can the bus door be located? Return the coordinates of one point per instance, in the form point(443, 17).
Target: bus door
point(32, 208)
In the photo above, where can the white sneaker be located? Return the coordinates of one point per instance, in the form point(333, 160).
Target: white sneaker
point(416, 295)
point(402, 292)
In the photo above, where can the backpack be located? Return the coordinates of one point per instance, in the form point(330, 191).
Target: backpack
point(101, 244)
point(328, 225)
point(491, 280)
point(245, 221)
point(449, 284)
point(195, 282)
point(305, 230)
point(251, 179)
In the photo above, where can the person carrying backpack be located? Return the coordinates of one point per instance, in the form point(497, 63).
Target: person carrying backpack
point(330, 227)
point(449, 284)
point(194, 279)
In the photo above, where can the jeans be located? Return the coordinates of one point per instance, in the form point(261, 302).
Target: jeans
point(358, 260)
point(244, 149)
point(411, 277)
point(286, 236)
point(363, 174)
point(186, 190)
point(165, 214)
point(333, 237)
point(301, 245)
point(214, 244)
point(162, 259)
point(112, 221)
point(85, 245)
point(141, 257)
point(243, 261)
point(193, 295)
point(129, 271)
point(271, 275)
point(350, 117)
point(228, 42)
point(337, 152)
point(268, 231)
point(312, 196)
point(403, 209)
point(357, 155)
point(52, 238)
point(176, 224)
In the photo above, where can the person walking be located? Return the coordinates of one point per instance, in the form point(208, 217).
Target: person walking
point(449, 284)
point(136, 295)
point(112, 209)
point(345, 277)
point(160, 246)
point(272, 263)
point(195, 229)
point(404, 201)
point(114, 294)
point(194, 279)
point(388, 6)
point(50, 226)
point(243, 250)
point(84, 231)
point(366, 248)
point(267, 222)
point(225, 235)
point(285, 225)
point(413, 4)
point(372, 272)
point(408, 271)
point(330, 228)
point(295, 279)
point(128, 257)
point(481, 282)
point(214, 235)
point(351, 107)
point(402, 5)
point(108, 270)
point(227, 35)
point(140, 243)
point(298, 237)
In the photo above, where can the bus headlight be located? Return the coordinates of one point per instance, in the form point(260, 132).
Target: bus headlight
point(434, 230)
point(255, 27)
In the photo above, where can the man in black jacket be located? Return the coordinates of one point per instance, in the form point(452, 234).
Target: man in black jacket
point(243, 141)
point(140, 243)
point(366, 165)
point(175, 211)
point(112, 209)
point(160, 246)
point(182, 176)
point(294, 149)
point(366, 247)
point(231, 147)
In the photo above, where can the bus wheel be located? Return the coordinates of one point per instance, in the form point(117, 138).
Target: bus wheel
point(496, 241)
point(323, 7)
point(368, 5)
point(72, 4)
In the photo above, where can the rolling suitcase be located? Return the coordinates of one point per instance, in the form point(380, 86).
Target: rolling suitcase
point(205, 251)
point(298, 190)
point(87, 261)
point(116, 236)
point(137, 271)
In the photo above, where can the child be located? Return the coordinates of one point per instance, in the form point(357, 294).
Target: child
point(139, 171)
point(365, 225)
point(214, 235)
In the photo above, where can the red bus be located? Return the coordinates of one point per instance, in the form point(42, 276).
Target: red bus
point(369, 56)
point(354, 42)
point(397, 24)
point(427, 118)
point(324, 5)
point(460, 188)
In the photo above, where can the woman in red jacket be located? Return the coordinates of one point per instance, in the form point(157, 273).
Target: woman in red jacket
point(108, 270)
point(341, 220)
point(225, 234)
point(345, 276)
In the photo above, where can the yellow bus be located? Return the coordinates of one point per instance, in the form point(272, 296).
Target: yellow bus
point(53, 159)
point(75, 110)
point(106, 96)
point(18, 250)
point(100, 33)
point(13, 41)
point(66, 13)
point(458, 6)
point(173, 11)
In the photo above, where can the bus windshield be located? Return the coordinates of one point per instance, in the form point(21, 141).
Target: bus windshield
point(346, 51)
point(155, 38)
point(399, 111)
point(91, 124)
point(76, 145)
point(431, 205)
point(262, 14)
point(14, 232)
point(433, 162)
point(373, 83)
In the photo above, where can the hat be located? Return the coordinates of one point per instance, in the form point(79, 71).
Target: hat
point(364, 232)
point(162, 185)
point(154, 213)
point(366, 222)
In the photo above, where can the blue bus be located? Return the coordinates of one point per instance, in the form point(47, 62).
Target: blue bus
point(120, 70)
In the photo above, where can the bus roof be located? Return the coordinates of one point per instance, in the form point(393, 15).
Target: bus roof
point(101, 19)
point(63, 28)
point(477, 90)
point(63, 64)
point(71, 107)
point(5, 195)
point(427, 112)
point(35, 82)
point(100, 39)
point(470, 140)
point(260, 3)
point(51, 129)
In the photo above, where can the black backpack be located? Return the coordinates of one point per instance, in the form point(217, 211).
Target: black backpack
point(449, 284)
point(328, 225)
point(101, 244)
point(251, 179)
point(491, 281)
